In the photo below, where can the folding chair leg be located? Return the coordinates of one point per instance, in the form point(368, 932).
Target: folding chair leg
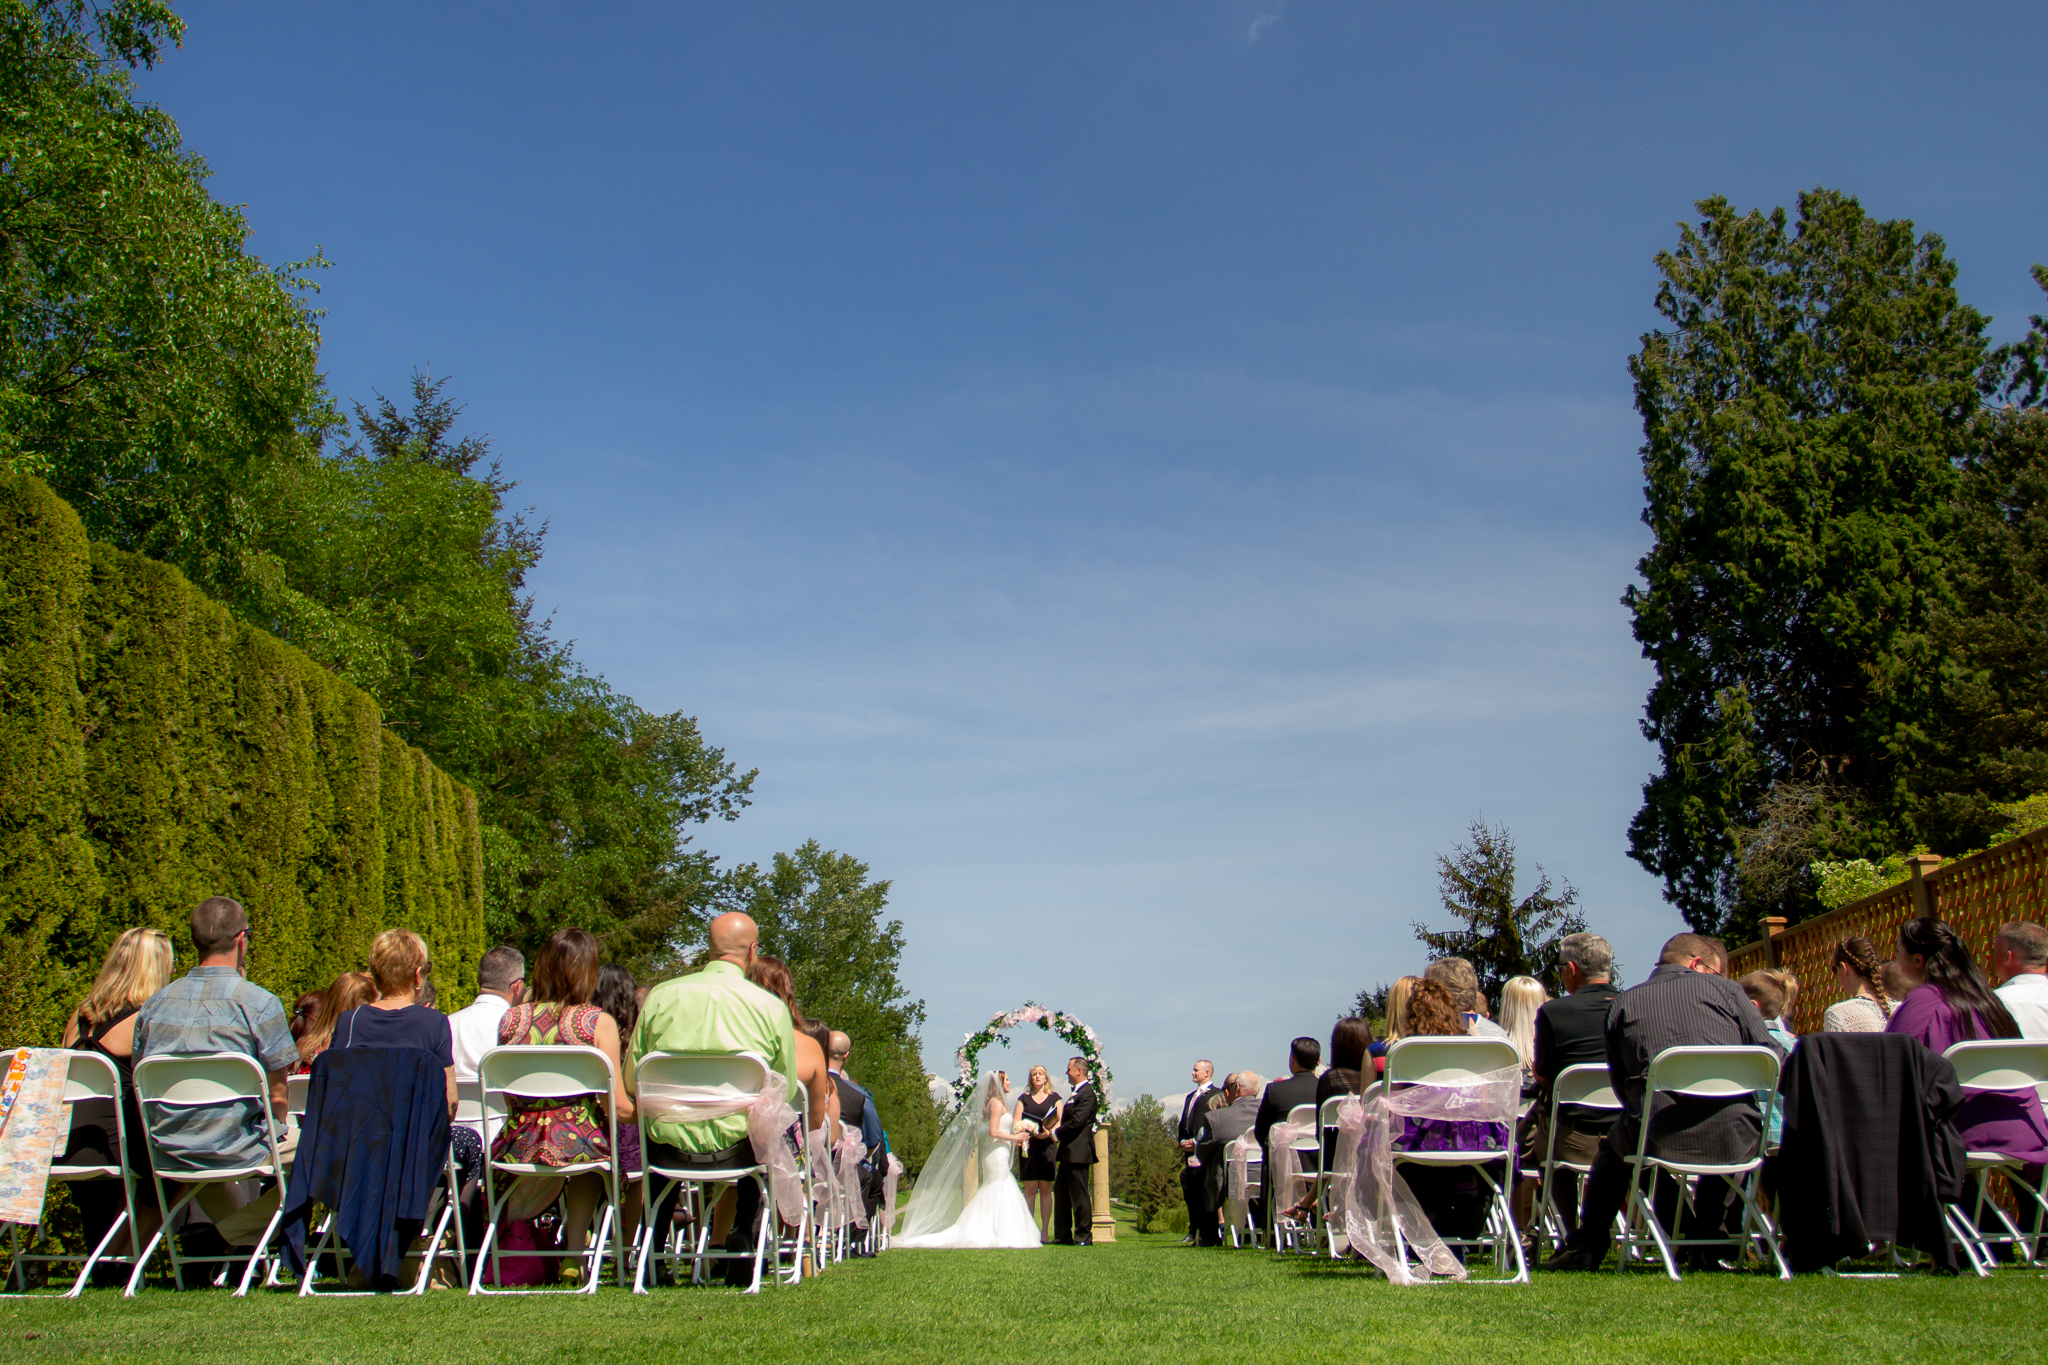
point(78, 1286)
point(1645, 1208)
point(1764, 1231)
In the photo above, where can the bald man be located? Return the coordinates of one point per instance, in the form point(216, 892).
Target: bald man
point(717, 1010)
point(856, 1106)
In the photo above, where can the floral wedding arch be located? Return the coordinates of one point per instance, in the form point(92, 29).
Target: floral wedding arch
point(1082, 1038)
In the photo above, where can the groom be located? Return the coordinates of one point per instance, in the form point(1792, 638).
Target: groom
point(1073, 1213)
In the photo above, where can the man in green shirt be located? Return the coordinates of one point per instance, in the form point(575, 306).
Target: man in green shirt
point(717, 1009)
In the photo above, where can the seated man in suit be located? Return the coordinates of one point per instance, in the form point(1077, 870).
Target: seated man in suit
point(1220, 1127)
point(1281, 1097)
point(1685, 1002)
point(1572, 1031)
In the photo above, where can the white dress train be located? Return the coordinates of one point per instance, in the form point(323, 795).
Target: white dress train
point(997, 1216)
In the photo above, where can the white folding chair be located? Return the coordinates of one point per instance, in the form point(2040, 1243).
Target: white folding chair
point(443, 1209)
point(530, 1071)
point(1329, 1196)
point(1448, 1061)
point(91, 1080)
point(1588, 1086)
point(824, 1193)
point(1290, 1234)
point(735, 1074)
point(1237, 1213)
point(168, 1084)
point(1712, 1073)
point(791, 1248)
point(2010, 1066)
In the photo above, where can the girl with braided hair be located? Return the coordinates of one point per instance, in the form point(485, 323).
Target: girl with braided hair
point(1860, 973)
point(1951, 1002)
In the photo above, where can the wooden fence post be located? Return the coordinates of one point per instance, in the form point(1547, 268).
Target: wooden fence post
point(1774, 925)
point(1917, 868)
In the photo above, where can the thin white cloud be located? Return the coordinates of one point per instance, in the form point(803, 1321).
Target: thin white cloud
point(1266, 18)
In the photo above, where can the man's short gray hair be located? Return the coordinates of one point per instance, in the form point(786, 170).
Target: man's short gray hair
point(2028, 940)
point(501, 968)
point(1248, 1082)
point(1590, 953)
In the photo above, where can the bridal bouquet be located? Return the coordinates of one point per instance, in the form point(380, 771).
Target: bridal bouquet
point(1025, 1127)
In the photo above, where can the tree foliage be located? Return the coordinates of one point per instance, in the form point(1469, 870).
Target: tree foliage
point(150, 368)
point(1803, 417)
point(820, 914)
point(1993, 713)
point(1144, 1160)
point(1502, 937)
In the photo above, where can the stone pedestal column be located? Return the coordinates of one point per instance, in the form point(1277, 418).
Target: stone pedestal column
point(1103, 1228)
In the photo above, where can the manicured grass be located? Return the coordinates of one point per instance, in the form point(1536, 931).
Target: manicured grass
point(1144, 1298)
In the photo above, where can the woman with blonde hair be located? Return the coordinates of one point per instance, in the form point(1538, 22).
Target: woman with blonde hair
point(137, 967)
point(1519, 1001)
point(1039, 1106)
point(394, 1016)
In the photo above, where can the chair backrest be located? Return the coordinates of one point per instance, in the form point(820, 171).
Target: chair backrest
point(90, 1076)
point(1445, 1061)
point(1712, 1072)
point(1304, 1114)
point(469, 1102)
point(1587, 1085)
point(171, 1081)
point(1330, 1108)
point(295, 1091)
point(737, 1073)
point(2000, 1064)
point(540, 1071)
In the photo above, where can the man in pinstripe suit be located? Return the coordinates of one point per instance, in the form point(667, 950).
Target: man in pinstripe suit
point(1685, 1002)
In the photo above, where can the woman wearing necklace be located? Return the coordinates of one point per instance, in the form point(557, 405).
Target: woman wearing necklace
point(1040, 1105)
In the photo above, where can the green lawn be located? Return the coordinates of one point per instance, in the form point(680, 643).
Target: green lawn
point(1142, 1298)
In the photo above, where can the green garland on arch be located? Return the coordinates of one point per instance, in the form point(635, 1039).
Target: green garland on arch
point(1078, 1035)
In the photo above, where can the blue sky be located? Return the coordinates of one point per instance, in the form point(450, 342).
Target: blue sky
point(1142, 477)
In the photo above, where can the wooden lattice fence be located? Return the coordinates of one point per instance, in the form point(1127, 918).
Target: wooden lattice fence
point(1974, 894)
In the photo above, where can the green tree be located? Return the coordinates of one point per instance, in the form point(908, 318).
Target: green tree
point(1803, 418)
point(150, 368)
point(1371, 1006)
point(1502, 937)
point(821, 915)
point(1144, 1160)
point(1993, 717)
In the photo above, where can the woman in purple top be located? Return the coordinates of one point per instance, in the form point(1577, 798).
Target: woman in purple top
point(1950, 1002)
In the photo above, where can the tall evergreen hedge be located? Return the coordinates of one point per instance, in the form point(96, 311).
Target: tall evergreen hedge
point(154, 751)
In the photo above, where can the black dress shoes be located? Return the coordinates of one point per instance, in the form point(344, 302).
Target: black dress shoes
point(1063, 1241)
point(1084, 1241)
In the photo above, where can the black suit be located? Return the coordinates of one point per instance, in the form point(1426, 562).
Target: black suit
point(1192, 1110)
point(1278, 1102)
point(1673, 1008)
point(1073, 1208)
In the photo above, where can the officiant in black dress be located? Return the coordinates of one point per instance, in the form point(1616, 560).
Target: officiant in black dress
point(1040, 1105)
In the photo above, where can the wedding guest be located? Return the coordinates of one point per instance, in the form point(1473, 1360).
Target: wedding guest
point(215, 1008)
point(399, 969)
point(1456, 975)
point(1040, 1104)
point(304, 1010)
point(2019, 959)
point(1453, 1197)
point(619, 996)
point(717, 1010)
point(350, 990)
point(1299, 1088)
point(812, 1066)
point(1860, 972)
point(1766, 990)
point(1221, 1126)
point(500, 984)
point(1520, 999)
point(856, 1105)
point(136, 968)
point(1951, 1002)
point(1397, 1006)
point(1572, 1031)
point(545, 1132)
point(1350, 1052)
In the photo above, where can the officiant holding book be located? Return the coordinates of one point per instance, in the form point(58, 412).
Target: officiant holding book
point(1038, 1113)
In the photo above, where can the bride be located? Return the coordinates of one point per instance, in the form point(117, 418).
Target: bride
point(967, 1196)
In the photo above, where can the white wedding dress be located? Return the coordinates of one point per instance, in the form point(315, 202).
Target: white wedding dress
point(997, 1216)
